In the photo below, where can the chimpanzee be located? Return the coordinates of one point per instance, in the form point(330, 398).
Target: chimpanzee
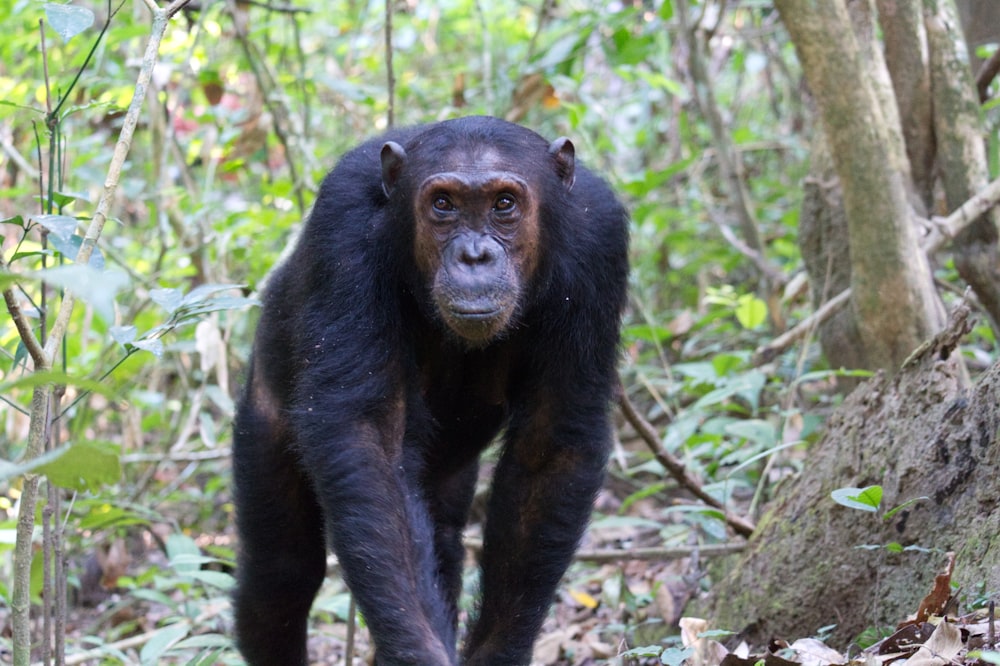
point(453, 281)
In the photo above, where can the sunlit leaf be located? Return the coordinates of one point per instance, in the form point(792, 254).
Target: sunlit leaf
point(751, 312)
point(865, 499)
point(95, 287)
point(83, 466)
point(61, 226)
point(162, 641)
point(584, 599)
point(68, 20)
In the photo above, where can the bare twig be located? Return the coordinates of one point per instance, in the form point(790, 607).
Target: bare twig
point(729, 163)
point(654, 553)
point(944, 229)
point(773, 274)
point(280, 114)
point(676, 468)
point(766, 353)
point(178, 457)
point(987, 72)
point(941, 230)
point(42, 395)
point(660, 553)
point(389, 73)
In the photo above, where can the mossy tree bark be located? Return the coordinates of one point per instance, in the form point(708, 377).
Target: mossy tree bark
point(916, 429)
point(804, 569)
point(893, 297)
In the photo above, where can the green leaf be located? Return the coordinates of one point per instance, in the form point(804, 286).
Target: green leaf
point(69, 247)
point(750, 311)
point(168, 299)
point(675, 656)
point(123, 335)
point(896, 509)
point(95, 287)
point(83, 467)
point(756, 430)
point(181, 549)
point(715, 634)
point(68, 20)
point(10, 470)
point(153, 346)
point(162, 641)
point(56, 377)
point(61, 226)
point(865, 499)
point(217, 579)
point(643, 651)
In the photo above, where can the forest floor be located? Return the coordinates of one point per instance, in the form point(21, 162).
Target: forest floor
point(622, 602)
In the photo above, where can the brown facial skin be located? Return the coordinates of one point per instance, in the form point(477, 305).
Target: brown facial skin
point(476, 236)
point(475, 240)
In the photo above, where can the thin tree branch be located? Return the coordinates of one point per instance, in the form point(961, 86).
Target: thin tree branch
point(42, 395)
point(655, 553)
point(31, 342)
point(987, 72)
point(766, 353)
point(940, 231)
point(676, 468)
point(389, 73)
point(728, 158)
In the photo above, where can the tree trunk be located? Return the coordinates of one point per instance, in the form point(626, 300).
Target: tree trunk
point(803, 569)
point(907, 57)
point(961, 152)
point(893, 297)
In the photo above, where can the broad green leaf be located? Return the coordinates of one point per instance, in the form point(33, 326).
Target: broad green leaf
point(756, 430)
point(715, 634)
point(69, 247)
point(153, 346)
point(217, 579)
point(168, 298)
point(896, 509)
point(725, 364)
point(60, 226)
point(38, 378)
point(751, 312)
point(162, 641)
point(205, 640)
point(10, 470)
point(675, 656)
point(643, 651)
point(95, 287)
point(865, 499)
point(181, 549)
point(123, 335)
point(68, 20)
point(83, 466)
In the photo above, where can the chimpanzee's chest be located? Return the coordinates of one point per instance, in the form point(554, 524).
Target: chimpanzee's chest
point(468, 391)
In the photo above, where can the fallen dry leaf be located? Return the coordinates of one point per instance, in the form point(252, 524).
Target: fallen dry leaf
point(935, 602)
point(941, 648)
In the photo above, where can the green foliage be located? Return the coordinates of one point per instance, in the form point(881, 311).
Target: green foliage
point(235, 135)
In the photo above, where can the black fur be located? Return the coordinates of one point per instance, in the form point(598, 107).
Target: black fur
point(364, 417)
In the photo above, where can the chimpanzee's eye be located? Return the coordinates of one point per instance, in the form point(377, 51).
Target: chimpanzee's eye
point(443, 204)
point(504, 203)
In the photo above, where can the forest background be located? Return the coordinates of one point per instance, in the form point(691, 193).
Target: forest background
point(793, 171)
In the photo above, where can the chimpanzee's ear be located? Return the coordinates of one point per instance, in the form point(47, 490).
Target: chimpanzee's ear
point(393, 157)
point(565, 155)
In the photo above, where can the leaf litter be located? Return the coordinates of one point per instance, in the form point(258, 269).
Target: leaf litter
point(934, 636)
